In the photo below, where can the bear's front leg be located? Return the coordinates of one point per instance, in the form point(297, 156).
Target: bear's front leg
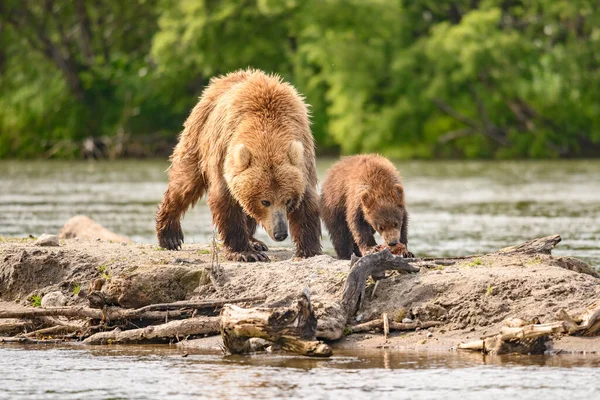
point(305, 226)
point(230, 220)
point(256, 244)
point(362, 232)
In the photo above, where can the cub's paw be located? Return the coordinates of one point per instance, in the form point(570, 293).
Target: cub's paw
point(408, 254)
point(247, 256)
point(258, 245)
point(171, 237)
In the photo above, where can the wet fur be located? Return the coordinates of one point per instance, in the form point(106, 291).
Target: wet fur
point(247, 139)
point(360, 195)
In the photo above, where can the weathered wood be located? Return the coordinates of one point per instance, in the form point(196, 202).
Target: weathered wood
point(198, 305)
point(376, 263)
point(293, 328)
point(386, 325)
point(542, 245)
point(79, 312)
point(165, 333)
point(14, 327)
point(26, 340)
point(393, 326)
point(58, 329)
point(179, 309)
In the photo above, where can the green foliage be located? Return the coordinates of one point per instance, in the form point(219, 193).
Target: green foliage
point(426, 79)
point(76, 289)
point(35, 300)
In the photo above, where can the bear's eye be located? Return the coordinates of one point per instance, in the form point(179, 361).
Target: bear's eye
point(288, 202)
point(395, 224)
point(380, 227)
point(266, 203)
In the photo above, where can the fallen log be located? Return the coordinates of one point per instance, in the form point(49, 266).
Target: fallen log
point(14, 327)
point(169, 310)
point(165, 333)
point(292, 328)
point(26, 340)
point(393, 326)
point(62, 329)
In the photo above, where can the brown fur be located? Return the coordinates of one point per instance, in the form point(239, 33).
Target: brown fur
point(362, 195)
point(246, 142)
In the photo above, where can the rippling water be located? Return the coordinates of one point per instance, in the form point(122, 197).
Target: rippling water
point(456, 207)
point(154, 372)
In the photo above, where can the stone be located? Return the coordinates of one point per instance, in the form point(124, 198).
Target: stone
point(47, 240)
point(54, 299)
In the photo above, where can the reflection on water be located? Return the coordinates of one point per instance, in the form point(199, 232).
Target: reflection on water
point(456, 207)
point(152, 372)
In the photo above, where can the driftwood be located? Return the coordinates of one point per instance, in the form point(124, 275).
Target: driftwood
point(26, 340)
point(393, 326)
point(165, 333)
point(292, 328)
point(516, 336)
point(57, 329)
point(14, 327)
point(371, 264)
point(180, 309)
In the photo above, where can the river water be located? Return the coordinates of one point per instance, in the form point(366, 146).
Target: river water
point(153, 372)
point(456, 208)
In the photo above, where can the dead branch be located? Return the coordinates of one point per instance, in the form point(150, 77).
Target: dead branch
point(58, 329)
point(165, 333)
point(27, 340)
point(116, 313)
point(393, 326)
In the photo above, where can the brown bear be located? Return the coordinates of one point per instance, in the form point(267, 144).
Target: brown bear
point(248, 144)
point(362, 195)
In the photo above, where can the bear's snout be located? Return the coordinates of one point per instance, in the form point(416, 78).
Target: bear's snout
point(280, 231)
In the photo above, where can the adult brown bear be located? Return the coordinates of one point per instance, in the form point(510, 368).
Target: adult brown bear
point(248, 144)
point(362, 195)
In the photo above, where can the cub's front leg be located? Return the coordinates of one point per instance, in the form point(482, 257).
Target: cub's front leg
point(362, 232)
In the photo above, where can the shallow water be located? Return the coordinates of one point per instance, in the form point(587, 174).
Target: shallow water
point(154, 372)
point(456, 207)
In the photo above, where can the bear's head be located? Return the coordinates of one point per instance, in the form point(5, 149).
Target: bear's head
point(267, 186)
point(385, 212)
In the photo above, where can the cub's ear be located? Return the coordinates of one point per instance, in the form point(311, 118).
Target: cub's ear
point(400, 191)
point(296, 153)
point(366, 199)
point(241, 157)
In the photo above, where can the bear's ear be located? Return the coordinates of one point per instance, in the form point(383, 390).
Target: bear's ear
point(296, 153)
point(400, 191)
point(366, 199)
point(241, 157)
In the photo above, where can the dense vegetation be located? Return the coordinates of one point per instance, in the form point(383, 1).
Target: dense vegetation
point(428, 78)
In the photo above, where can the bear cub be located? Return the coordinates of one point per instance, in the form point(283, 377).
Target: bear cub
point(362, 195)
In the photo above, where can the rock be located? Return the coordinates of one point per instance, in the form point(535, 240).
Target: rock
point(407, 321)
point(54, 299)
point(47, 240)
point(84, 227)
point(429, 334)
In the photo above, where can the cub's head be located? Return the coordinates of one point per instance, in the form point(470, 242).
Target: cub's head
point(385, 212)
point(267, 188)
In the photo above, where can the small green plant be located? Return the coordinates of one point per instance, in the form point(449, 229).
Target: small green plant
point(347, 331)
point(103, 269)
point(489, 290)
point(76, 289)
point(203, 251)
point(477, 262)
point(35, 300)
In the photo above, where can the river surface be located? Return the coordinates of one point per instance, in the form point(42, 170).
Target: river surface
point(153, 372)
point(456, 208)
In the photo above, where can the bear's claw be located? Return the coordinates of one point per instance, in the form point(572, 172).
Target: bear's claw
point(248, 256)
point(258, 245)
point(171, 238)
